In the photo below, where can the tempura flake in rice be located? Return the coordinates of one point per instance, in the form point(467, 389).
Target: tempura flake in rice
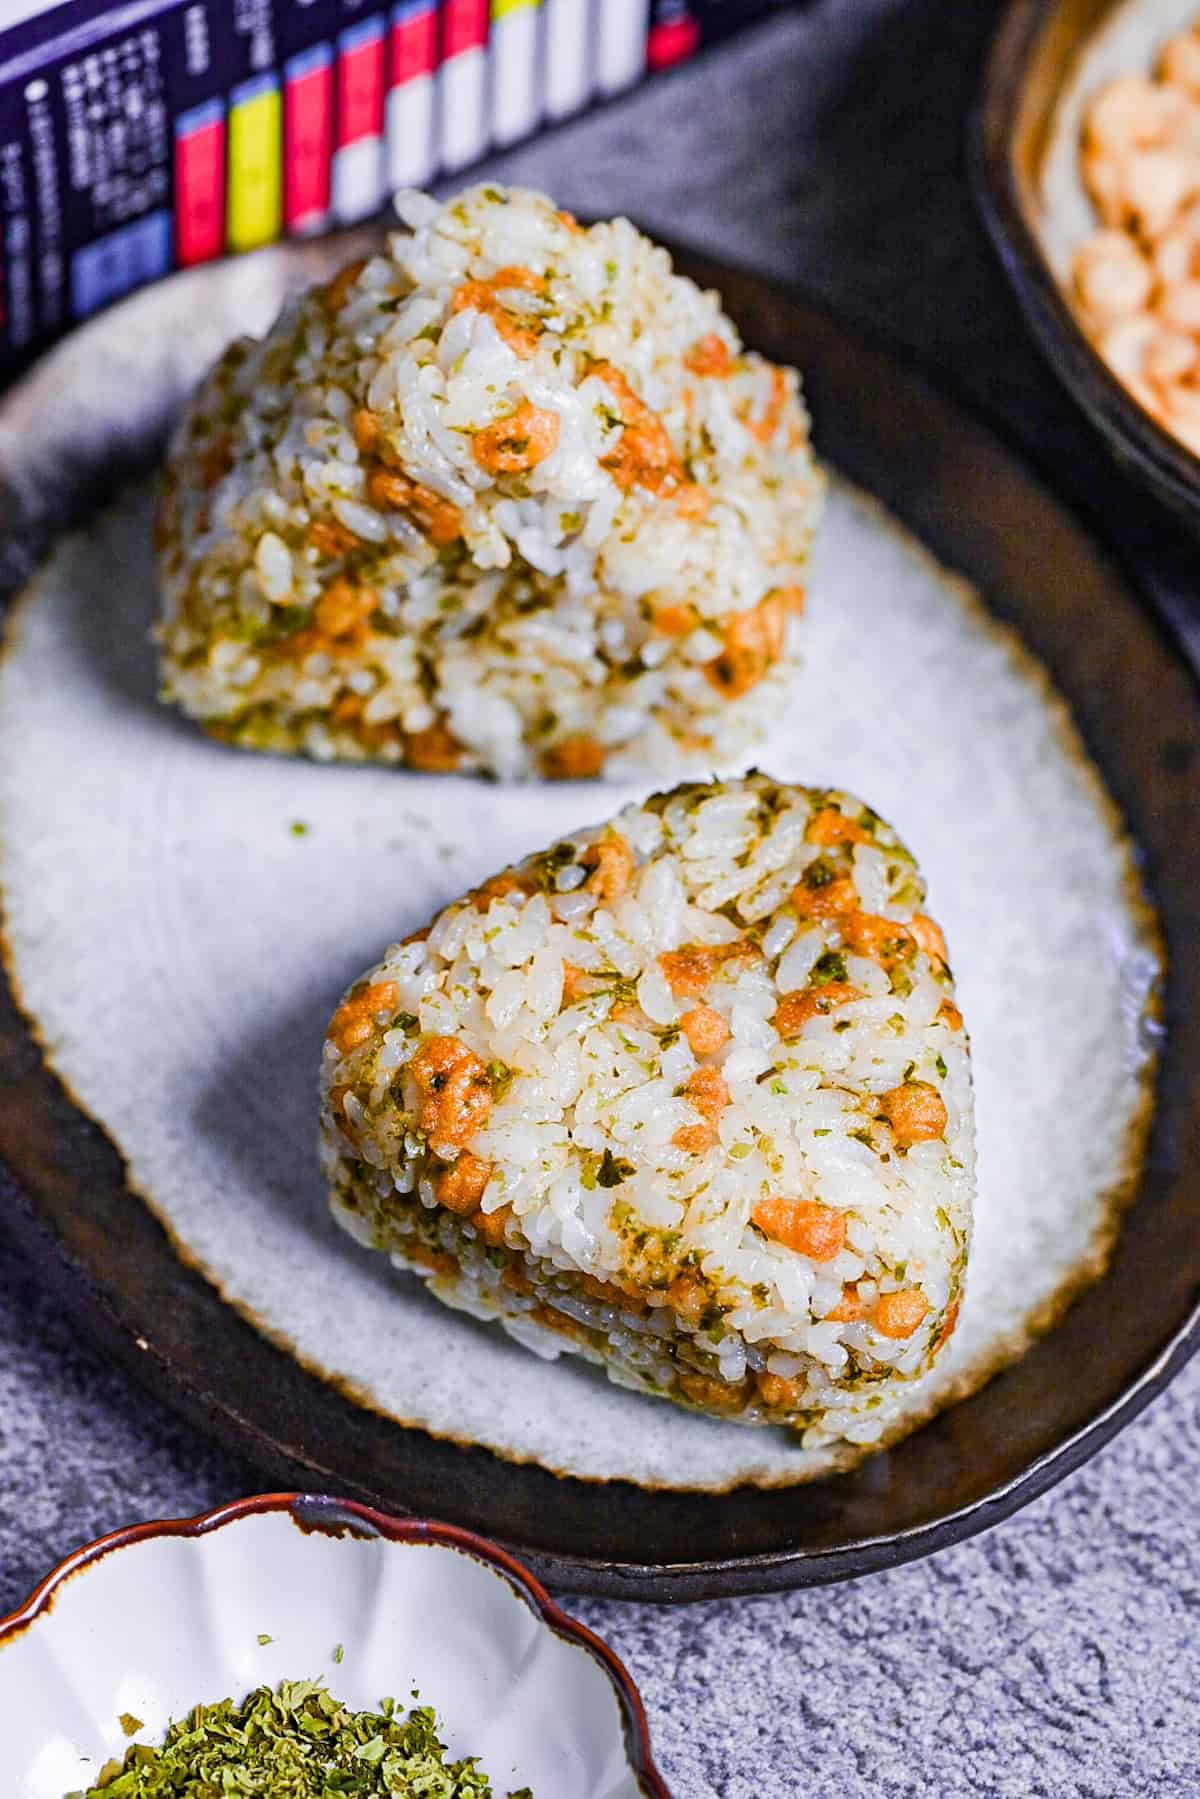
point(507, 496)
point(687, 1094)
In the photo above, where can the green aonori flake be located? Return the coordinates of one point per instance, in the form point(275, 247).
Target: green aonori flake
point(338, 1653)
point(613, 1170)
point(264, 1638)
point(297, 1742)
point(299, 828)
point(829, 967)
point(500, 1078)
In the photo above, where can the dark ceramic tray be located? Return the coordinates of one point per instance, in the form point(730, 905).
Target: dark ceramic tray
point(982, 511)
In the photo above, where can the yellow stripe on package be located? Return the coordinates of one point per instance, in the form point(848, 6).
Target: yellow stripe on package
point(255, 211)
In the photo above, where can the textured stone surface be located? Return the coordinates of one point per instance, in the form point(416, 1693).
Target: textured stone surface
point(1057, 1656)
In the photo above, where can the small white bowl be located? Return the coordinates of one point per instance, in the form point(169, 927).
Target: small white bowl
point(157, 1617)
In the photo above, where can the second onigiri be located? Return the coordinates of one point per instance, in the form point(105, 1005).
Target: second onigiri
point(508, 496)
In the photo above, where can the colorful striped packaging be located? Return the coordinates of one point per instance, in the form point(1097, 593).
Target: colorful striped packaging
point(140, 136)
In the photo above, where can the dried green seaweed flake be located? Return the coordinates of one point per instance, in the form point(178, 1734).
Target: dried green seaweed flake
point(296, 1742)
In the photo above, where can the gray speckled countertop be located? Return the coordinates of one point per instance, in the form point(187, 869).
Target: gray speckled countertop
point(1057, 1656)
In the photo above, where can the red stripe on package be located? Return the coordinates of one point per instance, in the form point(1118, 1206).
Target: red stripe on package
point(465, 26)
point(360, 81)
point(414, 43)
point(200, 184)
point(307, 136)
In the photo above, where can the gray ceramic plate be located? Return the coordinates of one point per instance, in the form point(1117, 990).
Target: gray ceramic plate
point(65, 438)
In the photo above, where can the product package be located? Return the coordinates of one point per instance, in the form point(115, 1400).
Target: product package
point(145, 136)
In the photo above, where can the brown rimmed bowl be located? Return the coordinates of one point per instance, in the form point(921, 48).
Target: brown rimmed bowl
point(1032, 60)
point(137, 1628)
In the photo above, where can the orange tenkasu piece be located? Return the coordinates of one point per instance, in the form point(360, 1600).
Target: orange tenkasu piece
point(574, 983)
point(805, 1225)
point(848, 1308)
point(689, 1299)
point(705, 1030)
point(490, 1225)
point(461, 1186)
point(354, 1019)
point(366, 430)
point(343, 609)
point(795, 1009)
point(435, 749)
point(776, 1392)
point(499, 887)
point(916, 1112)
point(884, 940)
point(710, 355)
point(830, 827)
point(830, 899)
point(950, 1320)
point(439, 518)
point(899, 1314)
point(676, 621)
point(612, 864)
point(456, 1095)
point(753, 644)
point(388, 490)
point(518, 330)
point(517, 443)
point(765, 427)
point(707, 1091)
point(713, 1393)
point(574, 759)
point(644, 455)
point(692, 968)
point(329, 537)
point(474, 296)
point(693, 501)
point(928, 934)
point(527, 280)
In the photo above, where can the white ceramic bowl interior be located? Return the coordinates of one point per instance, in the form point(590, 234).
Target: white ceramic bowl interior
point(151, 1626)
